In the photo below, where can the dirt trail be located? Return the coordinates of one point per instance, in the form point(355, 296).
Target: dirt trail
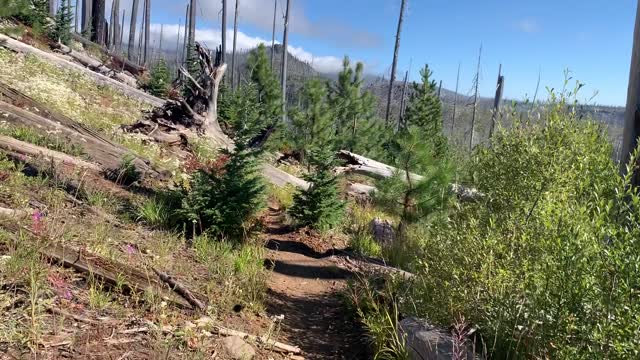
point(305, 287)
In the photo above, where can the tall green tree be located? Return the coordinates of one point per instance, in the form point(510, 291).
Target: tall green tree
point(269, 93)
point(312, 123)
point(64, 21)
point(354, 108)
point(424, 110)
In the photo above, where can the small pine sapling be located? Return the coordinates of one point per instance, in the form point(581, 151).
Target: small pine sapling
point(411, 198)
point(224, 197)
point(160, 80)
point(424, 111)
point(312, 123)
point(320, 205)
point(61, 31)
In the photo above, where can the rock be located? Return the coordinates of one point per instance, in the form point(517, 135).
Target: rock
point(382, 231)
point(237, 348)
point(427, 342)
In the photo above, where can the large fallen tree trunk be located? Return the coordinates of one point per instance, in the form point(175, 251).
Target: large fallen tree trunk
point(20, 110)
point(117, 62)
point(18, 147)
point(20, 47)
point(110, 272)
point(13, 214)
point(375, 169)
point(96, 65)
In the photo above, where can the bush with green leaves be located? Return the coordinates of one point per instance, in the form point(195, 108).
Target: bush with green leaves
point(546, 263)
point(320, 205)
point(160, 79)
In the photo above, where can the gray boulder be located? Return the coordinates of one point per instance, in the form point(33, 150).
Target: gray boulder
point(237, 348)
point(382, 231)
point(427, 342)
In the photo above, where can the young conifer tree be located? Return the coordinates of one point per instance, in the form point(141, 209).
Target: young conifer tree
point(312, 123)
point(64, 19)
point(160, 79)
point(424, 111)
point(320, 205)
point(224, 196)
point(354, 108)
point(269, 93)
point(414, 199)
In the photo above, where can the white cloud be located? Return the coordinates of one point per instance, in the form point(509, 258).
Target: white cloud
point(211, 38)
point(529, 26)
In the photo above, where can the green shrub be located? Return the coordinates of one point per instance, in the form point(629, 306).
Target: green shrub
point(320, 205)
point(546, 264)
point(224, 199)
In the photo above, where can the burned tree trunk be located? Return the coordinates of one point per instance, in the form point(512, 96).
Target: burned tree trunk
point(632, 114)
point(224, 30)
point(285, 52)
point(475, 101)
point(198, 110)
point(394, 65)
point(98, 22)
point(497, 101)
point(147, 27)
point(273, 34)
point(235, 40)
point(86, 17)
point(132, 30)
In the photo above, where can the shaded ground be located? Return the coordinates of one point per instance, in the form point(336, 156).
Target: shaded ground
point(305, 287)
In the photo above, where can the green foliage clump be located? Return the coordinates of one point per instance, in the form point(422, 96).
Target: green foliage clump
point(222, 199)
point(160, 80)
point(320, 205)
point(546, 263)
point(10, 8)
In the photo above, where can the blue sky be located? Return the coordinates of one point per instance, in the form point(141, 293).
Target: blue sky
point(592, 38)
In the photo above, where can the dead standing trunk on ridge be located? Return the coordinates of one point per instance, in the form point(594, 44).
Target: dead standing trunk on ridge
point(394, 65)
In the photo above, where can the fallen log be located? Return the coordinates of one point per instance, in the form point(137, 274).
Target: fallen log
point(95, 65)
point(377, 170)
point(109, 271)
point(118, 61)
point(20, 109)
point(26, 149)
point(180, 290)
point(13, 214)
point(77, 318)
point(100, 79)
point(261, 340)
